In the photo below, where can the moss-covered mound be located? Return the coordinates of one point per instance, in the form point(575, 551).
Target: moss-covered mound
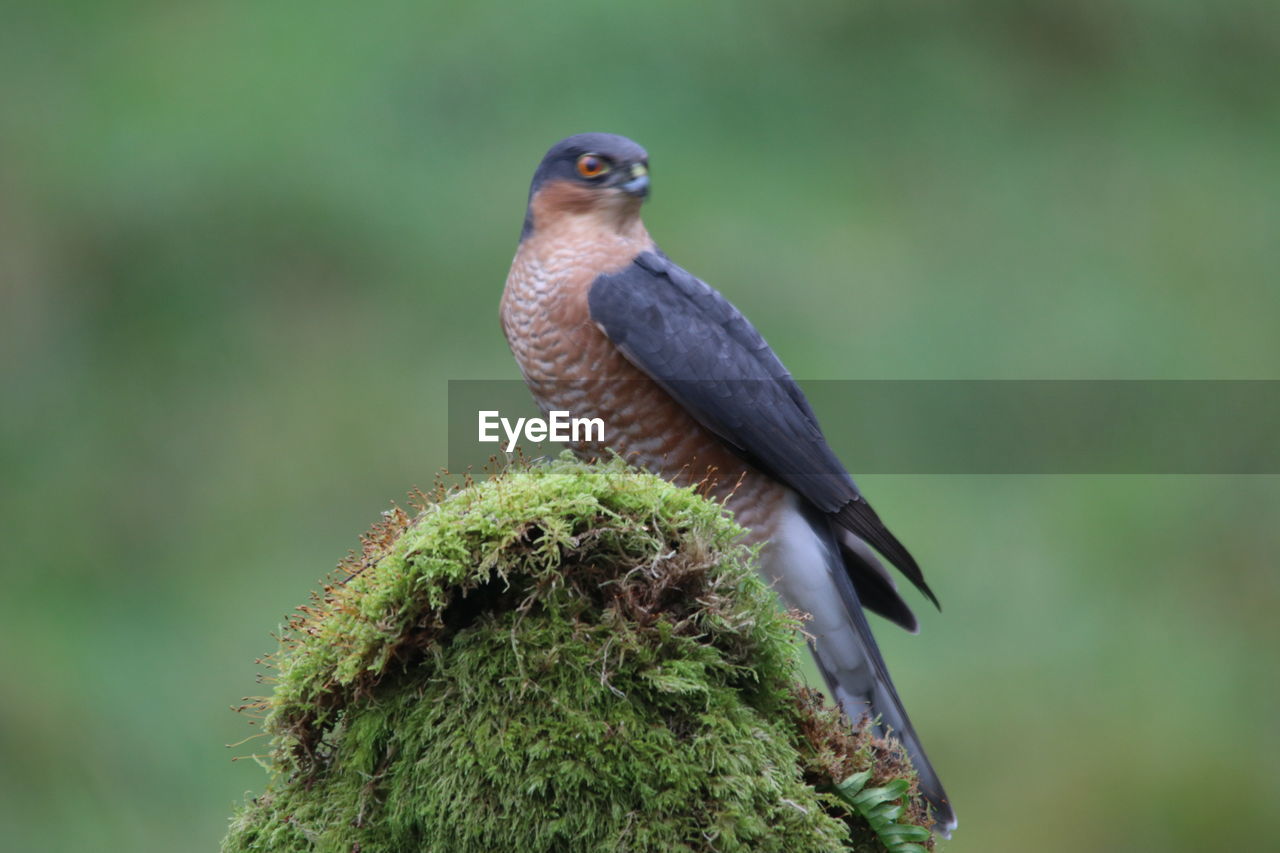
point(565, 657)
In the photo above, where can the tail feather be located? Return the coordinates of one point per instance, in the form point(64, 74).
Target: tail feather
point(871, 691)
point(805, 565)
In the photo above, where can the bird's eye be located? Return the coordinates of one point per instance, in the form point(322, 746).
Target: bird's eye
point(592, 166)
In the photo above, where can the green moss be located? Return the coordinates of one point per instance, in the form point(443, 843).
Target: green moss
point(563, 657)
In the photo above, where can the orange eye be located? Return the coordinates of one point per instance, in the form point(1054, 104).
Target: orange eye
point(592, 166)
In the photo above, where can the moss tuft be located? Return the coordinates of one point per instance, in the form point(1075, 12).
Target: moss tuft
point(563, 657)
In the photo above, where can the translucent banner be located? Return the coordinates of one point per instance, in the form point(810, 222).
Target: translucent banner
point(924, 426)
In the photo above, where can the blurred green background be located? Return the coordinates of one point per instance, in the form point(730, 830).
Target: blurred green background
point(243, 246)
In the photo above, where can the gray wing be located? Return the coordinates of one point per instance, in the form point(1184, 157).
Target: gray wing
point(704, 353)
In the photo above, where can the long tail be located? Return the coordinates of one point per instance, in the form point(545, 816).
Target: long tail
point(850, 661)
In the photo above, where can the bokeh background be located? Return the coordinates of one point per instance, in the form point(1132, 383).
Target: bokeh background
point(243, 247)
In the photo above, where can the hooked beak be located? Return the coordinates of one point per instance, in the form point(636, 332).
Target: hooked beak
point(637, 185)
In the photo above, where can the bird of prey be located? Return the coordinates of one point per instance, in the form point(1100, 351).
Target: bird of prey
point(603, 324)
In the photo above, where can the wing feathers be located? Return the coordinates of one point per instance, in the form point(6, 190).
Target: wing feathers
point(858, 517)
point(704, 353)
point(876, 589)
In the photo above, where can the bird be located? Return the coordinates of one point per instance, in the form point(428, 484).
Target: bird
point(603, 324)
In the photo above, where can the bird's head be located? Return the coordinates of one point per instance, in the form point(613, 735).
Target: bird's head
point(597, 176)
